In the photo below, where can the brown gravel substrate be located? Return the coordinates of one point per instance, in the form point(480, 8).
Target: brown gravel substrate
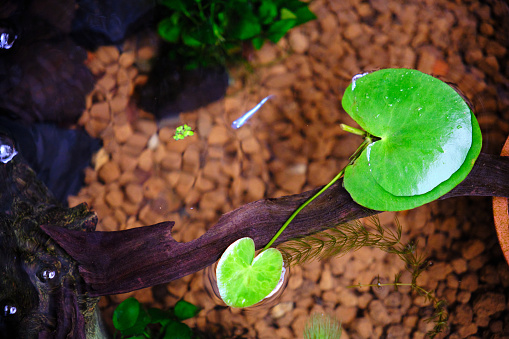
point(142, 176)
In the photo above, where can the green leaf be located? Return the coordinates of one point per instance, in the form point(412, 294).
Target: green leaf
point(168, 30)
point(424, 127)
point(190, 40)
point(246, 29)
point(287, 14)
point(267, 12)
point(304, 15)
point(257, 42)
point(278, 29)
point(368, 193)
point(177, 330)
point(126, 314)
point(434, 99)
point(185, 310)
point(158, 316)
point(139, 327)
point(244, 280)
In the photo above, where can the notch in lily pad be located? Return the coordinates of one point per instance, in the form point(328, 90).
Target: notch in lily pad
point(244, 279)
point(427, 139)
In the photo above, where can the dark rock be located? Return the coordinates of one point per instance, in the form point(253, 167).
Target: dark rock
point(109, 22)
point(58, 156)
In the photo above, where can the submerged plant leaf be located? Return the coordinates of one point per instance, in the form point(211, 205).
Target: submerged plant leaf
point(126, 314)
point(366, 191)
point(243, 279)
point(424, 127)
point(185, 310)
point(340, 240)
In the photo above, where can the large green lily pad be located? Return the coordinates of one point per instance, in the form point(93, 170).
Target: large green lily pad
point(366, 191)
point(424, 127)
point(244, 280)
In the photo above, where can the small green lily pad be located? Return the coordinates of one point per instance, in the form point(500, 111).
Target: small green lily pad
point(365, 190)
point(424, 127)
point(244, 280)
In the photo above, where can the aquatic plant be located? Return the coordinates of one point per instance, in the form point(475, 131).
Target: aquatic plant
point(183, 131)
point(133, 321)
point(421, 140)
point(322, 326)
point(207, 33)
point(349, 237)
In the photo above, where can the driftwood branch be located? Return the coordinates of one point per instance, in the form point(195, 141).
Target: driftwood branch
point(118, 262)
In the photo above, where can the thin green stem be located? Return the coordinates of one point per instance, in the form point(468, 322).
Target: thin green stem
point(353, 130)
point(297, 211)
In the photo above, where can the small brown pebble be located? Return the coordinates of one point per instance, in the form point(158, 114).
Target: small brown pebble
point(472, 249)
point(122, 132)
point(489, 303)
point(347, 297)
point(136, 143)
point(462, 315)
point(255, 188)
point(364, 327)
point(119, 103)
point(218, 135)
point(191, 159)
point(440, 270)
point(106, 83)
point(463, 296)
point(145, 160)
point(250, 145)
point(490, 275)
point(109, 172)
point(203, 184)
point(100, 110)
point(378, 313)
point(467, 330)
point(326, 279)
point(146, 52)
point(127, 163)
point(298, 42)
point(469, 282)
point(126, 59)
point(396, 331)
point(281, 309)
point(171, 161)
point(291, 179)
point(107, 54)
point(184, 183)
point(146, 127)
point(152, 187)
point(114, 198)
point(279, 81)
point(459, 265)
point(346, 313)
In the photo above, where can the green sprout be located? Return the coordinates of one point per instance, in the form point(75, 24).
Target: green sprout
point(183, 131)
point(322, 326)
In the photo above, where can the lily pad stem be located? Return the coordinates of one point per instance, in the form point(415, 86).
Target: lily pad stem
point(297, 211)
point(368, 139)
point(353, 130)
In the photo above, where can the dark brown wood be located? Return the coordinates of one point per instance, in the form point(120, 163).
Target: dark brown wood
point(118, 262)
